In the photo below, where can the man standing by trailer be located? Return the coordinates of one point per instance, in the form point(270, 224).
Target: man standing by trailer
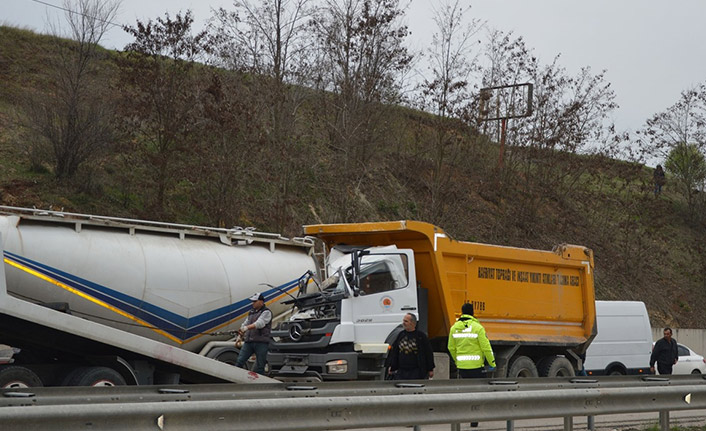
point(665, 353)
point(256, 334)
point(469, 346)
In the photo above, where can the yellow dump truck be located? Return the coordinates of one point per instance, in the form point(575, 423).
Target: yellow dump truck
point(538, 307)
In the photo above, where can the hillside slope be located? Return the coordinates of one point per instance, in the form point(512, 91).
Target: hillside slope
point(648, 248)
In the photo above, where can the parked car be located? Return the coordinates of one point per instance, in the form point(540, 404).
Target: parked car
point(689, 362)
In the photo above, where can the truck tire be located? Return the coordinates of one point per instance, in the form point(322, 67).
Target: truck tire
point(556, 366)
point(229, 357)
point(15, 377)
point(522, 366)
point(94, 376)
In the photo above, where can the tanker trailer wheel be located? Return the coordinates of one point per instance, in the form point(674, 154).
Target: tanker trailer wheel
point(15, 377)
point(94, 376)
point(522, 366)
point(556, 366)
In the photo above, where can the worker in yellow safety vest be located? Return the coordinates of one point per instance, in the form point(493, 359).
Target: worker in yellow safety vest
point(469, 346)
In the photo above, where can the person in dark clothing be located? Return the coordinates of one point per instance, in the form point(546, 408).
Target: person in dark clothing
point(665, 353)
point(255, 332)
point(411, 356)
point(659, 179)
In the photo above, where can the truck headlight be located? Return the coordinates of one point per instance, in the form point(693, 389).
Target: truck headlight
point(339, 366)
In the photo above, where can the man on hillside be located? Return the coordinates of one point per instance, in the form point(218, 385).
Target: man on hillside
point(665, 353)
point(659, 179)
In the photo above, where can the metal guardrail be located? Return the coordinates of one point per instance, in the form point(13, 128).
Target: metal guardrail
point(331, 406)
point(208, 392)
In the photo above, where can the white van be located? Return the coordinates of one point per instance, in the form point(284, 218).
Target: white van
point(624, 341)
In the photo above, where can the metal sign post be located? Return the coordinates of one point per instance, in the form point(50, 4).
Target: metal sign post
point(504, 102)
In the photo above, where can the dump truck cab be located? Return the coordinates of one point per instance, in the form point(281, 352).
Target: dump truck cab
point(337, 332)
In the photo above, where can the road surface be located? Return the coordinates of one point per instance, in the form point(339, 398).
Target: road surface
point(623, 422)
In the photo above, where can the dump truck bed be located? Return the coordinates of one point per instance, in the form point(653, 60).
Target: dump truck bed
point(521, 296)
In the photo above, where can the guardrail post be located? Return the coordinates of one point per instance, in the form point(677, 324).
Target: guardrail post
point(569, 423)
point(591, 423)
point(510, 425)
point(664, 420)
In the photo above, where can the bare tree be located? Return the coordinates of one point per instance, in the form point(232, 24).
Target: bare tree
point(570, 118)
point(361, 61)
point(73, 116)
point(223, 165)
point(683, 122)
point(160, 91)
point(445, 93)
point(269, 41)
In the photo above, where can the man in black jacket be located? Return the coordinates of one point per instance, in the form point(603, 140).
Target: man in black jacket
point(411, 356)
point(665, 353)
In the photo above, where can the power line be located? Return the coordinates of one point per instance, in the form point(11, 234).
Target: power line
point(76, 13)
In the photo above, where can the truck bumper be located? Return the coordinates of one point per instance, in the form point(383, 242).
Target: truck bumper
point(304, 365)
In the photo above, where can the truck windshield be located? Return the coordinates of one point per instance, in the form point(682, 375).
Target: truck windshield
point(383, 272)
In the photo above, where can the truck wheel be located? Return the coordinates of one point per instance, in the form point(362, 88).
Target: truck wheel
point(522, 366)
point(556, 366)
point(15, 377)
point(94, 376)
point(229, 357)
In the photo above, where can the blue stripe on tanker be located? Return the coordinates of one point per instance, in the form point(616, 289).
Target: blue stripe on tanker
point(172, 323)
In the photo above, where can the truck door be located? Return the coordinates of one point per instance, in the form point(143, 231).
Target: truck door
point(386, 293)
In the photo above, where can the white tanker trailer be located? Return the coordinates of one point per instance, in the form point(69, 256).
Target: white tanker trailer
point(88, 300)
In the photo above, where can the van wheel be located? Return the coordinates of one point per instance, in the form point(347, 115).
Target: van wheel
point(522, 366)
point(15, 377)
point(94, 376)
point(695, 372)
point(616, 372)
point(556, 366)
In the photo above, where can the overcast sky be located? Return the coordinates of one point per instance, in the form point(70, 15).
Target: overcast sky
point(652, 49)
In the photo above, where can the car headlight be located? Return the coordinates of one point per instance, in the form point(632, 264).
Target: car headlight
point(339, 366)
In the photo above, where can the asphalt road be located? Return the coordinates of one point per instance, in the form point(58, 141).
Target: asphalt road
point(624, 422)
